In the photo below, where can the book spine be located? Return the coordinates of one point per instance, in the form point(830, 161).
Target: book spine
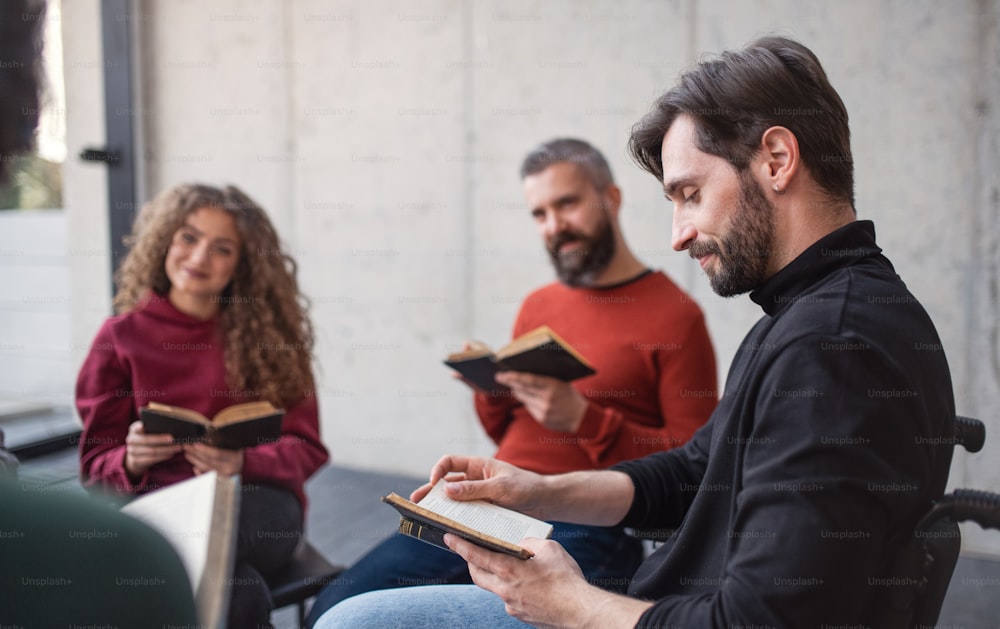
point(423, 532)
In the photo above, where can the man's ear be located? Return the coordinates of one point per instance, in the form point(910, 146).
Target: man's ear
point(779, 152)
point(613, 198)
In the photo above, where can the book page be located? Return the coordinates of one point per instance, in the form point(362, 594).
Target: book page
point(246, 410)
point(477, 349)
point(533, 338)
point(182, 513)
point(491, 519)
point(178, 412)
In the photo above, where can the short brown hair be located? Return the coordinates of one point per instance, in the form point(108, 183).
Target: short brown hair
point(733, 99)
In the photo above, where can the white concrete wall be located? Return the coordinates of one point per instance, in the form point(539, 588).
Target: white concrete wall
point(384, 137)
point(978, 314)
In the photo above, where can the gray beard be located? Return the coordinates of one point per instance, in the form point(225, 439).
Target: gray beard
point(581, 266)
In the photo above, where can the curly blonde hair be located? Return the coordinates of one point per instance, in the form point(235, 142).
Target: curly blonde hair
point(267, 336)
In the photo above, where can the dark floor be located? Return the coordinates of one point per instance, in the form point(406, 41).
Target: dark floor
point(346, 518)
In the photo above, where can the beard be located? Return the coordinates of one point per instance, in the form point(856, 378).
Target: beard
point(744, 251)
point(579, 266)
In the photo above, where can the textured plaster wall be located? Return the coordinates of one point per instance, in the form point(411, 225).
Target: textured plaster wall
point(384, 139)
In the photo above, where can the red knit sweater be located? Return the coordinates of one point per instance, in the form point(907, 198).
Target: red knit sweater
point(655, 382)
point(157, 353)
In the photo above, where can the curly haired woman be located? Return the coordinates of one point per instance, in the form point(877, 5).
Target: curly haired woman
point(209, 315)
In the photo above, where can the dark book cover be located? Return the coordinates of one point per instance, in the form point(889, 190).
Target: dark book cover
point(540, 351)
point(236, 435)
point(479, 371)
point(183, 430)
point(246, 434)
point(550, 359)
point(424, 532)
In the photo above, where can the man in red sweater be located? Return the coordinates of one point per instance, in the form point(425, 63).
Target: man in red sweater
point(656, 379)
point(655, 382)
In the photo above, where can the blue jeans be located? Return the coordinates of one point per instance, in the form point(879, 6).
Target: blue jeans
point(445, 606)
point(608, 558)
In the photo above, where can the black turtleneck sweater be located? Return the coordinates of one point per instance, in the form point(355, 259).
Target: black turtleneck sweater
point(833, 435)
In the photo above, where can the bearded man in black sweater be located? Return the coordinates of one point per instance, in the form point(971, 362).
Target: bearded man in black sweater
point(833, 434)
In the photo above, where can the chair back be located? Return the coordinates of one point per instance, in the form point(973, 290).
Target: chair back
point(922, 570)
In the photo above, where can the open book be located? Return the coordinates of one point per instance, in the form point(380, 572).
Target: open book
point(540, 351)
point(239, 426)
point(483, 523)
point(199, 517)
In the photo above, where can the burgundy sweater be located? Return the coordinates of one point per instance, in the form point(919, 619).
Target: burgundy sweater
point(158, 354)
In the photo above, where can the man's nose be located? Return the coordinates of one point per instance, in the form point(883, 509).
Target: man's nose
point(553, 224)
point(683, 233)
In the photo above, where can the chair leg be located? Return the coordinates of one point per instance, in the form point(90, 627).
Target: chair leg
point(302, 614)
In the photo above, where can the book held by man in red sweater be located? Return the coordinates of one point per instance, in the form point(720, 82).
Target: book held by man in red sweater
point(239, 426)
point(540, 351)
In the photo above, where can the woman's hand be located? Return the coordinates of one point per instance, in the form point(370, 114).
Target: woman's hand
point(205, 458)
point(143, 451)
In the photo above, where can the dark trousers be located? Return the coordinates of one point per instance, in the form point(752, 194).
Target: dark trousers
point(270, 529)
point(608, 558)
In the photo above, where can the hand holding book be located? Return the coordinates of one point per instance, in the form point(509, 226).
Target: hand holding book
point(144, 450)
point(482, 523)
point(205, 458)
point(239, 426)
point(555, 404)
point(540, 351)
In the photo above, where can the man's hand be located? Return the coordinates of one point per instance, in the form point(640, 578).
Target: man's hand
point(553, 403)
point(467, 346)
point(548, 590)
point(476, 478)
point(596, 498)
point(143, 451)
point(205, 458)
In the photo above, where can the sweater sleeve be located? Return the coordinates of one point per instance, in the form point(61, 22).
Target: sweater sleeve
point(104, 400)
point(687, 395)
point(291, 460)
point(494, 413)
point(831, 475)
